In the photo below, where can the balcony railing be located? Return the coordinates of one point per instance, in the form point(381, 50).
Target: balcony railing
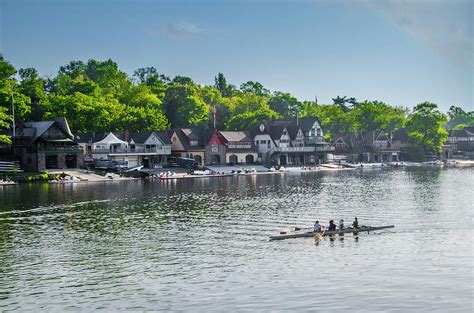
point(326, 148)
point(164, 150)
point(294, 149)
point(46, 149)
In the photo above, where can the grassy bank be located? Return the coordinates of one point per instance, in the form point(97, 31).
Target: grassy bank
point(29, 176)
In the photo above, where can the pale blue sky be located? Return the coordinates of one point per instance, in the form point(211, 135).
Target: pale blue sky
point(399, 52)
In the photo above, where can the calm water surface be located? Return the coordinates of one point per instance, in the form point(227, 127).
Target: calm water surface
point(202, 245)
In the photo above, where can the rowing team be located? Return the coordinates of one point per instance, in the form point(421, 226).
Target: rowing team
point(319, 228)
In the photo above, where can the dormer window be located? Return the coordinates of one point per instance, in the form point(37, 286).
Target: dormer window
point(262, 127)
point(193, 143)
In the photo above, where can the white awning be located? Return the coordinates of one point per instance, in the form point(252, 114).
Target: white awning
point(111, 139)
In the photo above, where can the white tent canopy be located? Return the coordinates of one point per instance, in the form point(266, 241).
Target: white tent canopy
point(110, 140)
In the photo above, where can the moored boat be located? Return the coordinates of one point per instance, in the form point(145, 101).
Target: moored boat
point(310, 233)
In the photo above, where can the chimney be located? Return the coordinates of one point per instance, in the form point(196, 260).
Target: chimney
point(126, 135)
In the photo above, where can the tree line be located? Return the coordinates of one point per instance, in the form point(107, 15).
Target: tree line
point(96, 96)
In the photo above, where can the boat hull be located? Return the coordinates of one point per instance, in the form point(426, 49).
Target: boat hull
point(303, 233)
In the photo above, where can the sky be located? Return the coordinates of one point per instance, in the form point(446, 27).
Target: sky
point(397, 51)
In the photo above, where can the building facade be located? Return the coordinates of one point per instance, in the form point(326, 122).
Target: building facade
point(47, 145)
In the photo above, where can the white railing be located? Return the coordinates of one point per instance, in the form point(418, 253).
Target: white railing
point(163, 150)
point(294, 149)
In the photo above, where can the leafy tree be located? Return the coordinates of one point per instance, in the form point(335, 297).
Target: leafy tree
point(9, 87)
point(144, 109)
point(225, 89)
point(248, 120)
point(309, 108)
point(5, 120)
point(255, 88)
point(183, 80)
point(458, 118)
point(285, 104)
point(32, 86)
point(107, 75)
point(150, 76)
point(213, 98)
point(85, 113)
point(183, 106)
point(341, 101)
point(247, 110)
point(73, 69)
point(376, 115)
point(334, 120)
point(425, 127)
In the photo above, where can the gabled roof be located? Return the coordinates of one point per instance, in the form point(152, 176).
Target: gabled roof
point(275, 131)
point(235, 136)
point(34, 130)
point(306, 123)
point(293, 131)
point(89, 137)
point(200, 133)
point(164, 137)
point(137, 137)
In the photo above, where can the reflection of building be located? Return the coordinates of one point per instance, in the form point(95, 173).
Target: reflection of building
point(147, 149)
point(230, 147)
point(47, 145)
point(190, 142)
point(291, 141)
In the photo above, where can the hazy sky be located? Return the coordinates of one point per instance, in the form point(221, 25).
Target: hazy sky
point(400, 52)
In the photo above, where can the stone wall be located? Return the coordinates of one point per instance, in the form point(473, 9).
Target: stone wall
point(214, 150)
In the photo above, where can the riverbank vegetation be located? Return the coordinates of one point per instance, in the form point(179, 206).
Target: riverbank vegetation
point(96, 96)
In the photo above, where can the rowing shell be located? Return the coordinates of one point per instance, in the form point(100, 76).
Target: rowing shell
point(305, 233)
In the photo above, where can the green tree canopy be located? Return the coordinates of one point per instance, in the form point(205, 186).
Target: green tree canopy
point(285, 104)
point(425, 127)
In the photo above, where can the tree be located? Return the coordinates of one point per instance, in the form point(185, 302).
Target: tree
point(144, 110)
point(107, 76)
point(221, 85)
point(150, 76)
point(33, 87)
point(334, 120)
point(285, 104)
point(218, 104)
point(183, 106)
point(425, 127)
point(5, 120)
point(248, 109)
point(254, 87)
point(73, 69)
point(248, 120)
point(458, 118)
point(309, 108)
point(183, 80)
point(9, 87)
point(377, 115)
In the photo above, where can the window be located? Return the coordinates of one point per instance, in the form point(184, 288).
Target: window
point(263, 141)
point(193, 143)
point(269, 146)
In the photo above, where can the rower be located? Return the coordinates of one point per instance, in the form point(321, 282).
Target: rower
point(355, 224)
point(317, 227)
point(332, 226)
point(341, 224)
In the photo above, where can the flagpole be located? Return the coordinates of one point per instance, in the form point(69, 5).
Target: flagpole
point(13, 109)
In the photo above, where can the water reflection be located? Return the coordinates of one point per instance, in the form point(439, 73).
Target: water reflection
point(203, 244)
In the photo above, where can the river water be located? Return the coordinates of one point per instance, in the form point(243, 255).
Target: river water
point(202, 245)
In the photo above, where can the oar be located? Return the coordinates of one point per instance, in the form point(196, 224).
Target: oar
point(319, 235)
